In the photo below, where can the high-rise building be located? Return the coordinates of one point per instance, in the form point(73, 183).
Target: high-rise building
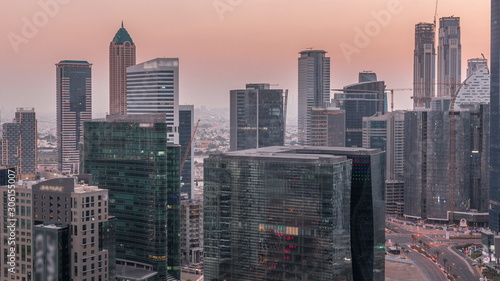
point(191, 232)
point(359, 100)
point(476, 88)
point(424, 65)
point(186, 127)
point(18, 145)
point(129, 156)
point(153, 87)
point(327, 126)
point(121, 56)
point(74, 107)
point(326, 212)
point(314, 88)
point(449, 56)
point(494, 192)
point(257, 117)
point(474, 64)
point(427, 178)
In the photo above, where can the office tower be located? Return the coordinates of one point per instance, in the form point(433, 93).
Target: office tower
point(327, 126)
point(257, 117)
point(153, 87)
point(129, 156)
point(186, 127)
point(359, 100)
point(476, 88)
point(24, 234)
point(424, 65)
point(121, 56)
point(19, 143)
point(449, 56)
point(303, 200)
point(7, 173)
point(74, 107)
point(430, 191)
point(386, 132)
point(84, 209)
point(494, 197)
point(314, 88)
point(191, 232)
point(52, 253)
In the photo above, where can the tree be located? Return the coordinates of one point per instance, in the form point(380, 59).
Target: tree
point(444, 262)
point(480, 262)
point(420, 242)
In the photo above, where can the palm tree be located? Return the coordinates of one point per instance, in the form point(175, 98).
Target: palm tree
point(480, 262)
point(437, 253)
point(420, 242)
point(444, 262)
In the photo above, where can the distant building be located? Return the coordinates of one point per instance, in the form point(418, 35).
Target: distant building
point(360, 100)
point(74, 107)
point(19, 143)
point(424, 65)
point(191, 232)
point(257, 117)
point(121, 55)
point(323, 205)
point(186, 127)
point(314, 88)
point(476, 88)
point(129, 156)
point(153, 87)
point(327, 126)
point(449, 56)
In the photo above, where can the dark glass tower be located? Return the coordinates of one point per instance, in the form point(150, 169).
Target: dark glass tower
point(258, 116)
point(495, 118)
point(186, 124)
point(129, 155)
point(74, 106)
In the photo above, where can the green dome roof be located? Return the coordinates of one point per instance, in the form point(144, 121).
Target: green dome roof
point(122, 36)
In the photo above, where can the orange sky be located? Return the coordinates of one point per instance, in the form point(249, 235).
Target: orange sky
point(221, 44)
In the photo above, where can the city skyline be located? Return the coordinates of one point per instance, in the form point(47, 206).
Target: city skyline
point(209, 40)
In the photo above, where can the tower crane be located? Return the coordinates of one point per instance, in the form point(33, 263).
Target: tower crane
point(188, 149)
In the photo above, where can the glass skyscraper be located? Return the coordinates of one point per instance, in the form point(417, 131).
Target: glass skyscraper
point(186, 124)
point(449, 56)
point(129, 155)
point(257, 117)
point(280, 213)
point(424, 65)
point(74, 107)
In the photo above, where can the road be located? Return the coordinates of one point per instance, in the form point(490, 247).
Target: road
point(460, 266)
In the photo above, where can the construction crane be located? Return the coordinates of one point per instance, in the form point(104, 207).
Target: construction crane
point(392, 95)
point(435, 12)
point(188, 149)
point(418, 99)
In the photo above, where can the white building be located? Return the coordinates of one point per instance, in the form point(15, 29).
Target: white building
point(476, 88)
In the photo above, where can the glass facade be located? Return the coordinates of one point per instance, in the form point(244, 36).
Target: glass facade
point(186, 116)
point(495, 118)
point(277, 217)
point(424, 65)
point(133, 161)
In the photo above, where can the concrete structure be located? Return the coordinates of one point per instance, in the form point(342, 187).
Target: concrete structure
point(257, 117)
point(323, 205)
point(424, 65)
point(121, 55)
point(449, 56)
point(18, 145)
point(314, 88)
point(129, 156)
point(153, 87)
point(191, 232)
point(476, 88)
point(327, 126)
point(74, 107)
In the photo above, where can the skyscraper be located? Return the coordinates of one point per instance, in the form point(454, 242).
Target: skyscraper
point(257, 117)
point(449, 56)
point(314, 88)
point(121, 56)
point(269, 197)
point(494, 221)
point(129, 156)
point(153, 87)
point(186, 124)
point(18, 145)
point(424, 65)
point(327, 126)
point(359, 100)
point(74, 107)
point(476, 88)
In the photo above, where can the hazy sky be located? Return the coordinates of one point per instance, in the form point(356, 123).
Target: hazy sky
point(221, 44)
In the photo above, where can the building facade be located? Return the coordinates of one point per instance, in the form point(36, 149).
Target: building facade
point(327, 126)
point(186, 127)
point(121, 55)
point(257, 117)
point(449, 56)
point(18, 145)
point(424, 65)
point(191, 232)
point(476, 88)
point(129, 156)
point(314, 88)
point(153, 87)
point(74, 107)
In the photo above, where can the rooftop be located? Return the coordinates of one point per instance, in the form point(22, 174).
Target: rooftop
point(122, 36)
